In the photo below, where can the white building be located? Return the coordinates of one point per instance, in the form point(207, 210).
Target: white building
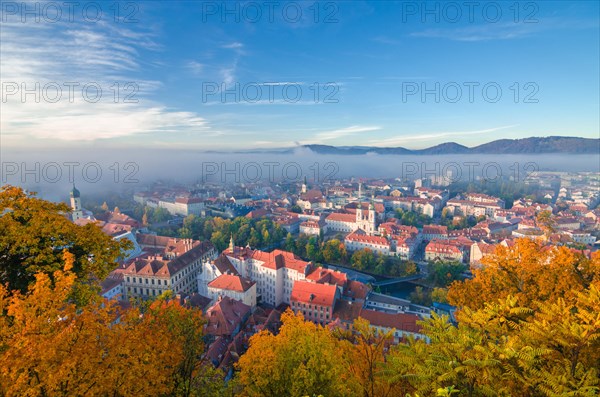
point(359, 240)
point(274, 272)
point(183, 206)
point(175, 269)
point(312, 228)
point(347, 223)
point(234, 286)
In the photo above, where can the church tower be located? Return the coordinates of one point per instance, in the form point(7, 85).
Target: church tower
point(76, 210)
point(372, 224)
point(304, 186)
point(231, 245)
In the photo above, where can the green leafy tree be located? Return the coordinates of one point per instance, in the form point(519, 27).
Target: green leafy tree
point(33, 235)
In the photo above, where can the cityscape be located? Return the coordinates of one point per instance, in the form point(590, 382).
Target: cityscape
point(371, 199)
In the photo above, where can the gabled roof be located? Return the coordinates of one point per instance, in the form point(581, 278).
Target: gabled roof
point(224, 265)
point(225, 316)
point(232, 283)
point(313, 293)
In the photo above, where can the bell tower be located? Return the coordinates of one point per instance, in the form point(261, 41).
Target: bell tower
point(76, 210)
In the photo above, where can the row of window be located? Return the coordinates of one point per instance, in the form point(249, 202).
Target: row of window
point(148, 291)
point(145, 280)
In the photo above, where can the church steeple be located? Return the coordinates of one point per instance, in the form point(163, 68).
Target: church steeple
point(231, 246)
point(76, 210)
point(74, 192)
point(359, 198)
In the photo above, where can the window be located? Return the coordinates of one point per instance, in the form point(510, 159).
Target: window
point(152, 281)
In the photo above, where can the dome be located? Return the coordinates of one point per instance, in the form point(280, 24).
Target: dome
point(75, 193)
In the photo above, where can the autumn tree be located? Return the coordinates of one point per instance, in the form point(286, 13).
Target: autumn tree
point(49, 347)
point(528, 325)
point(363, 354)
point(529, 271)
point(546, 222)
point(302, 360)
point(334, 251)
point(33, 235)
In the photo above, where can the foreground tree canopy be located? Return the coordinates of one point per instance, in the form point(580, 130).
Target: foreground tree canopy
point(33, 235)
point(49, 347)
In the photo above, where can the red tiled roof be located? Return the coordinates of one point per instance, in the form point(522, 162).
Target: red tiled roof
point(437, 247)
point(399, 321)
point(188, 200)
point(225, 315)
point(363, 238)
point(339, 217)
point(313, 293)
point(279, 258)
point(435, 229)
point(327, 276)
point(231, 282)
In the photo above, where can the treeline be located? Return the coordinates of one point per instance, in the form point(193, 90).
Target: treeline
point(334, 252)
point(258, 233)
point(412, 218)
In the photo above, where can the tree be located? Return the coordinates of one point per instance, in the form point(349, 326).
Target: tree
point(219, 240)
point(48, 346)
point(334, 251)
point(296, 208)
point(289, 243)
point(546, 223)
point(439, 295)
point(33, 235)
point(531, 272)
point(145, 218)
point(442, 274)
point(363, 259)
point(363, 353)
point(420, 297)
point(302, 360)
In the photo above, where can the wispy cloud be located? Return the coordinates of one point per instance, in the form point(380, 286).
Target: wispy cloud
point(234, 46)
point(104, 54)
point(403, 139)
point(195, 67)
point(485, 32)
point(343, 132)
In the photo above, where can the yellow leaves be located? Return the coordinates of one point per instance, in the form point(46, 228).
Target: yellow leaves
point(303, 359)
point(529, 272)
point(48, 346)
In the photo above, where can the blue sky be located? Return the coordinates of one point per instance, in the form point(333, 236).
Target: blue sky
point(368, 61)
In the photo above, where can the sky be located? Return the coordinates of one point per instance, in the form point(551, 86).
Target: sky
point(214, 75)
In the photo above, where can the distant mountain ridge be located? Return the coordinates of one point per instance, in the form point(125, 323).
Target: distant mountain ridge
point(533, 145)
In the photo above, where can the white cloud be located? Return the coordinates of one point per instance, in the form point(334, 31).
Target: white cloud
point(403, 139)
point(343, 132)
point(234, 46)
point(101, 53)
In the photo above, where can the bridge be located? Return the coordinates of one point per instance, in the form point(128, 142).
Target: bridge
point(393, 281)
